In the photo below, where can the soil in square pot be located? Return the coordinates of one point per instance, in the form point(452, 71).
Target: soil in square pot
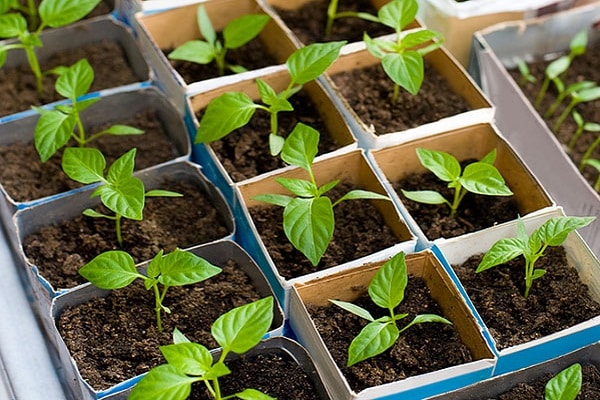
point(59, 250)
point(557, 301)
point(421, 349)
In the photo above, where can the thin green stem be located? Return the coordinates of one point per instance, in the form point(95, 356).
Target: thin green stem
point(81, 139)
point(274, 122)
point(542, 92)
point(588, 153)
point(528, 277)
point(459, 193)
point(564, 115)
point(552, 109)
point(118, 229)
point(331, 15)
point(32, 14)
point(575, 137)
point(35, 67)
point(220, 60)
point(157, 307)
point(395, 94)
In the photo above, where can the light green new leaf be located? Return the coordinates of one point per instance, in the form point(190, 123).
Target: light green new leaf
point(88, 212)
point(376, 46)
point(111, 270)
point(164, 382)
point(276, 199)
point(387, 286)
point(196, 51)
point(298, 187)
point(243, 29)
point(119, 130)
point(489, 158)
point(586, 95)
point(359, 194)
point(223, 115)
point(126, 198)
point(483, 178)
point(309, 62)
point(57, 13)
point(218, 370)
point(189, 358)
point(579, 43)
point(354, 309)
point(308, 224)
point(373, 339)
point(12, 25)
point(84, 104)
point(406, 70)
point(554, 231)
point(501, 252)
point(122, 168)
point(179, 337)
point(6, 5)
point(422, 318)
point(398, 14)
point(162, 193)
point(557, 67)
point(419, 37)
point(301, 146)
point(442, 164)
point(84, 165)
point(266, 92)
point(205, 26)
point(183, 268)
point(425, 196)
point(52, 131)
point(276, 143)
point(253, 394)
point(76, 80)
point(565, 385)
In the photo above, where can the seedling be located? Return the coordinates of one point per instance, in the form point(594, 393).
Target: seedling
point(479, 177)
point(566, 385)
point(233, 110)
point(526, 75)
point(308, 218)
point(56, 127)
point(333, 14)
point(120, 191)
point(581, 96)
point(116, 269)
point(386, 290)
point(53, 14)
point(236, 34)
point(237, 331)
point(564, 92)
point(582, 126)
point(594, 163)
point(552, 233)
point(402, 60)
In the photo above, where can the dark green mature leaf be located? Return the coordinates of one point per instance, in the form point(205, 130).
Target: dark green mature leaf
point(12, 25)
point(84, 165)
point(223, 115)
point(57, 13)
point(76, 80)
point(309, 62)
point(243, 29)
point(111, 270)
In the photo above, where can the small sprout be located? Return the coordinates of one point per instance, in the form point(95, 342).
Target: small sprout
point(308, 218)
point(237, 331)
point(402, 60)
point(120, 192)
point(53, 14)
point(552, 233)
point(563, 92)
point(333, 14)
point(233, 110)
point(116, 269)
point(526, 75)
point(566, 385)
point(386, 290)
point(236, 34)
point(479, 177)
point(580, 96)
point(56, 127)
point(582, 126)
point(594, 163)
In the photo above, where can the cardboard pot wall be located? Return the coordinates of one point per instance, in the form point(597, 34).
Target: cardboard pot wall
point(348, 285)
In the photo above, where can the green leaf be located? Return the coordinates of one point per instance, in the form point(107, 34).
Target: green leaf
point(126, 198)
point(387, 286)
point(309, 62)
point(119, 130)
point(554, 231)
point(276, 143)
point(52, 131)
point(3, 55)
point(373, 339)
point(538, 273)
point(489, 158)
point(442, 164)
point(579, 43)
point(122, 168)
point(422, 318)
point(196, 51)
point(425, 196)
point(84, 165)
point(485, 179)
point(241, 328)
point(183, 268)
point(205, 26)
point(354, 309)
point(565, 385)
point(189, 358)
point(301, 146)
point(57, 13)
point(276, 199)
point(84, 104)
point(164, 382)
point(419, 37)
point(111, 270)
point(218, 370)
point(309, 225)
point(223, 115)
point(298, 187)
point(253, 394)
point(12, 25)
point(6, 5)
point(76, 80)
point(88, 212)
point(327, 187)
point(398, 14)
point(162, 193)
point(266, 92)
point(405, 69)
point(557, 67)
point(179, 337)
point(153, 269)
point(501, 252)
point(586, 95)
point(243, 29)
point(362, 195)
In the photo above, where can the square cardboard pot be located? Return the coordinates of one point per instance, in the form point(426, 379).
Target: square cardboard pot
point(356, 56)
point(556, 344)
point(217, 253)
point(350, 166)
point(343, 285)
point(497, 48)
point(396, 162)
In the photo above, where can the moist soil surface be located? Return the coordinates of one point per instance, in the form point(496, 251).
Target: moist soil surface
point(308, 22)
point(556, 301)
point(475, 212)
point(244, 153)
point(25, 177)
point(18, 90)
point(115, 338)
point(60, 249)
point(420, 349)
point(359, 231)
point(584, 67)
point(369, 90)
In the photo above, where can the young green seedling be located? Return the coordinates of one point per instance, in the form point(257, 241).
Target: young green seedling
point(526, 75)
point(237, 331)
point(582, 126)
point(580, 96)
point(552, 233)
point(56, 127)
point(480, 177)
point(386, 290)
point(237, 33)
point(564, 92)
point(333, 14)
point(308, 218)
point(402, 59)
point(233, 110)
point(594, 163)
point(116, 269)
point(53, 14)
point(120, 191)
point(566, 385)
point(29, 10)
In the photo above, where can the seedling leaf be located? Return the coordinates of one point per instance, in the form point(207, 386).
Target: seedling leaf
point(180, 268)
point(52, 131)
point(111, 270)
point(164, 382)
point(223, 115)
point(405, 69)
point(189, 358)
point(311, 61)
point(373, 339)
point(57, 13)
point(387, 286)
point(76, 80)
point(85, 165)
point(354, 309)
point(196, 51)
point(301, 146)
point(241, 30)
point(565, 385)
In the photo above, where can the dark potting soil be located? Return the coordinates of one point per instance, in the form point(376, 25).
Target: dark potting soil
point(253, 55)
point(245, 153)
point(275, 374)
point(584, 67)
point(308, 22)
point(18, 90)
point(590, 387)
point(556, 301)
point(359, 231)
point(25, 177)
point(59, 250)
point(475, 212)
point(115, 338)
point(420, 349)
point(369, 92)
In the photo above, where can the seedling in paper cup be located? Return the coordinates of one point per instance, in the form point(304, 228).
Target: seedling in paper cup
point(308, 218)
point(333, 14)
point(583, 126)
point(233, 110)
point(386, 290)
point(480, 177)
point(236, 34)
point(581, 96)
point(237, 331)
point(552, 233)
point(565, 385)
point(56, 127)
point(120, 191)
point(116, 269)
